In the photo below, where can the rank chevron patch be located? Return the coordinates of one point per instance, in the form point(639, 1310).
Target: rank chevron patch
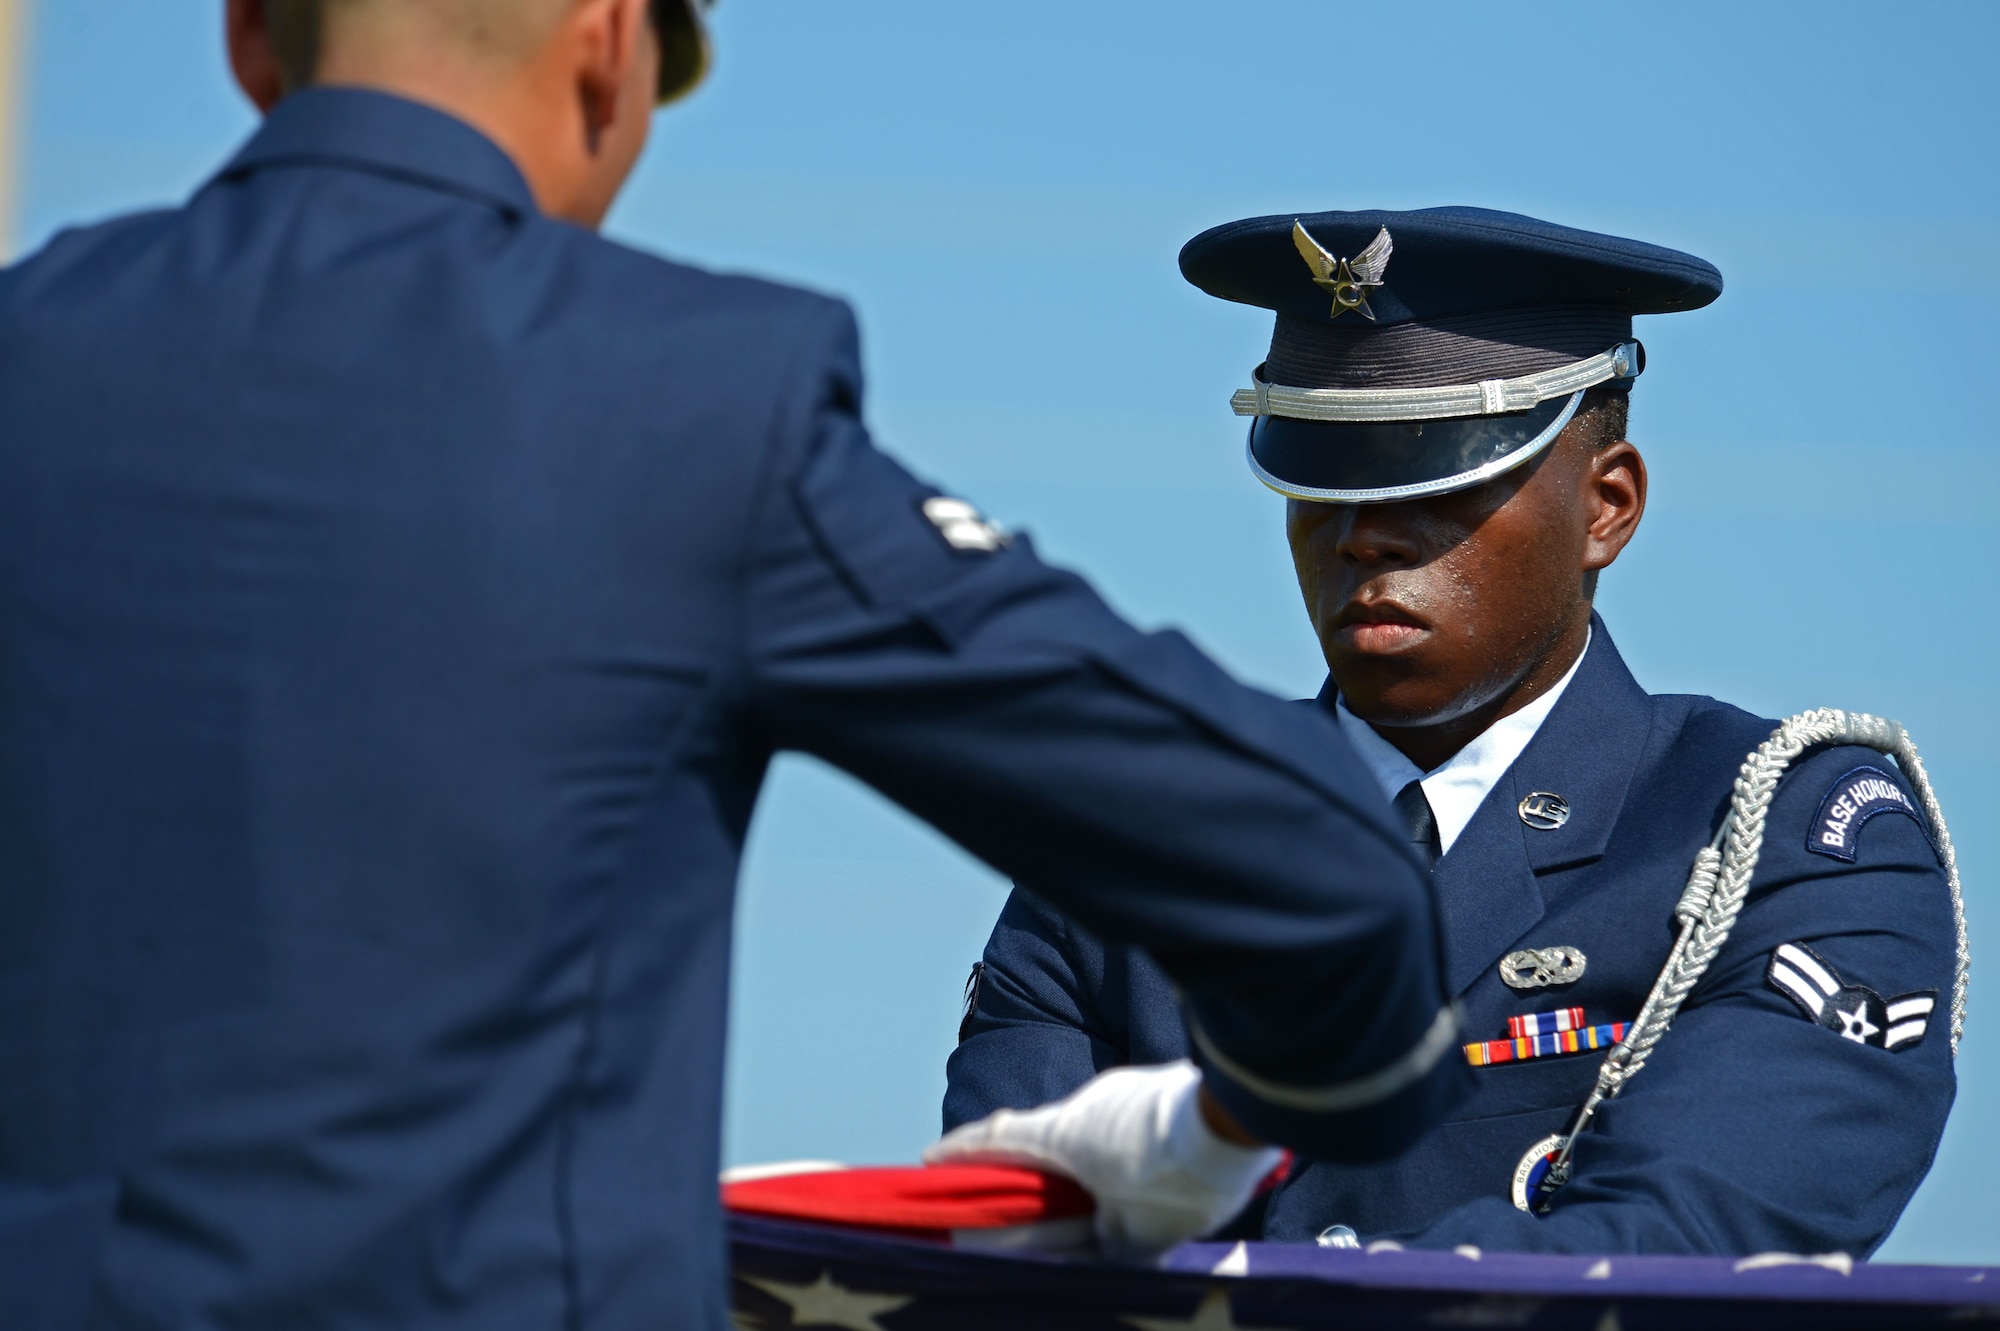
point(1851, 1011)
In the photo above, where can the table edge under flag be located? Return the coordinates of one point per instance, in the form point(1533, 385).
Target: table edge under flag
point(907, 1284)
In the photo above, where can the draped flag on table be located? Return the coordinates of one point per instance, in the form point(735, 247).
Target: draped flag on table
point(966, 1248)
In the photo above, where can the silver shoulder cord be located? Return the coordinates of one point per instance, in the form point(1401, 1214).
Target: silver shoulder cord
point(1720, 881)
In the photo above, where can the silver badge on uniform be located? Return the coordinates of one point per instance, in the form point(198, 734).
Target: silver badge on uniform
point(1538, 967)
point(1544, 810)
point(963, 526)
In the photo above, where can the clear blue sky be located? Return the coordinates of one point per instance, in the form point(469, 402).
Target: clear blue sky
point(1002, 189)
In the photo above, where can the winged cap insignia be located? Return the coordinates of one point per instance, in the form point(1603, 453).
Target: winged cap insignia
point(1346, 280)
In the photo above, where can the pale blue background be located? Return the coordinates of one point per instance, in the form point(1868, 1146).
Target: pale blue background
point(1002, 189)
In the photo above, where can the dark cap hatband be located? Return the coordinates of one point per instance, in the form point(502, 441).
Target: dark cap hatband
point(1464, 361)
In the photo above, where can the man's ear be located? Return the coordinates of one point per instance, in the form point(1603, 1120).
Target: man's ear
point(608, 35)
point(1614, 499)
point(252, 55)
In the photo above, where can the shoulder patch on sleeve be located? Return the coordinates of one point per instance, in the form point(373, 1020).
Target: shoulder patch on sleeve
point(1852, 1011)
point(1849, 803)
point(896, 540)
point(963, 527)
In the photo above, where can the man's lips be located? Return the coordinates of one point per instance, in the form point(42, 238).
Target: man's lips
point(1379, 627)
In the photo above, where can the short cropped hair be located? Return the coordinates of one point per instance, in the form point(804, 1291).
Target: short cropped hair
point(295, 27)
point(298, 27)
point(1604, 415)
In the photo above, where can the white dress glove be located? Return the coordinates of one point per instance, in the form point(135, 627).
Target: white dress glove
point(1134, 1138)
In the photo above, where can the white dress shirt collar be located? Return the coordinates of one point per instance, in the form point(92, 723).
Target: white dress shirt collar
point(1458, 786)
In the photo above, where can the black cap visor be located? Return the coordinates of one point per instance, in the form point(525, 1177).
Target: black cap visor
point(1373, 462)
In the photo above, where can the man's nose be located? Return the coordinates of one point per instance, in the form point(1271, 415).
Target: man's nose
point(1375, 535)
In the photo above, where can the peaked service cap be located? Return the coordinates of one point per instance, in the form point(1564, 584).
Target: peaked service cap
point(1417, 353)
point(685, 54)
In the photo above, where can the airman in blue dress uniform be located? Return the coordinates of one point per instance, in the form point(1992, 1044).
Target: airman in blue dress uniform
point(1444, 408)
point(403, 591)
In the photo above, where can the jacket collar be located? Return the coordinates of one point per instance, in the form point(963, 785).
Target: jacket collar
point(1586, 752)
point(374, 131)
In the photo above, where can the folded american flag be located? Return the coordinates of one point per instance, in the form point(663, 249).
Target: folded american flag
point(993, 1207)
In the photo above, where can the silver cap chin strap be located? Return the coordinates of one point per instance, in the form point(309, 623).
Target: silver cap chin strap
point(1488, 397)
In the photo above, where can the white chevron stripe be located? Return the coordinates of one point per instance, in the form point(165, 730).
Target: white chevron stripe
point(1903, 1034)
point(1911, 1007)
point(1795, 984)
point(1803, 960)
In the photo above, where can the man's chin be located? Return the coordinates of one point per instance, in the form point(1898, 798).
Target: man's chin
point(1386, 719)
point(1394, 694)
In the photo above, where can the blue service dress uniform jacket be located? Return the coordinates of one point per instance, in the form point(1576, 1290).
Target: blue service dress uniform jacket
point(1751, 1129)
point(401, 596)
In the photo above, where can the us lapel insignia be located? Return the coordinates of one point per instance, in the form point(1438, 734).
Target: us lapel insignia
point(1346, 280)
point(1544, 810)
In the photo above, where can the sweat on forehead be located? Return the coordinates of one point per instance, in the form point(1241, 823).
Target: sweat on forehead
point(1417, 353)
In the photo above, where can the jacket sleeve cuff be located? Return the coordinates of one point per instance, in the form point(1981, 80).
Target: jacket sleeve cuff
point(1368, 1116)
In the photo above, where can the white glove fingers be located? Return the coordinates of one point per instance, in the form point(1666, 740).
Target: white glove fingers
point(1134, 1137)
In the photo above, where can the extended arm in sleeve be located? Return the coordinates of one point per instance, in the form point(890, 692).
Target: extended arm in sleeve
point(1144, 792)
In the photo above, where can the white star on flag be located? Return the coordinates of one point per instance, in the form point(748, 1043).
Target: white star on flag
point(1212, 1315)
point(823, 1303)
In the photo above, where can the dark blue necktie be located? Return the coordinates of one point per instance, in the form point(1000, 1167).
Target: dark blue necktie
point(1419, 822)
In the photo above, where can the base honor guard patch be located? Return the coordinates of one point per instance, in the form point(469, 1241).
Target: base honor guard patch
point(1853, 800)
point(1851, 1011)
point(1542, 1034)
point(1533, 1170)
